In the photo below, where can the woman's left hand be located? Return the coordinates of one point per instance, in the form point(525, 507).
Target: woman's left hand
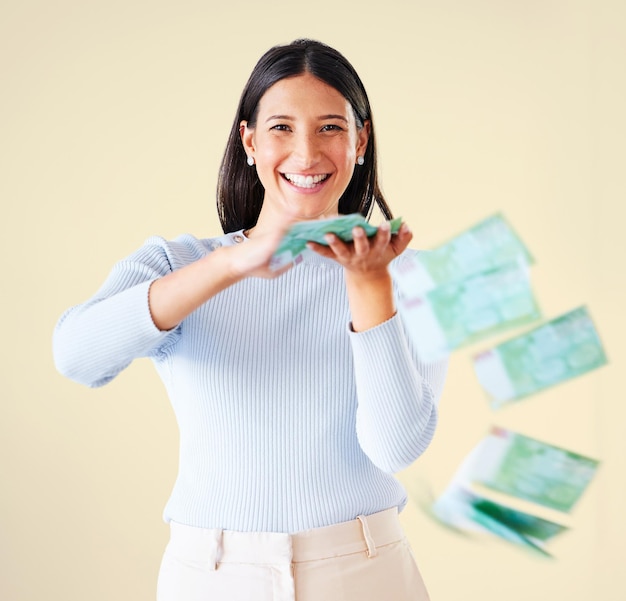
point(365, 261)
point(366, 257)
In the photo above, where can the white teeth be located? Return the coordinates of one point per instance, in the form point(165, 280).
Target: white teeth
point(305, 181)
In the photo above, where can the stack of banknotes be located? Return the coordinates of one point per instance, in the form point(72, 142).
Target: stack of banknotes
point(293, 245)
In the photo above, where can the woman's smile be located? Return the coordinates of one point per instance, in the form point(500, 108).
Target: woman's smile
point(306, 182)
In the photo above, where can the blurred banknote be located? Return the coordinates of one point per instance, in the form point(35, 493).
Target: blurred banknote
point(465, 311)
point(528, 469)
point(523, 468)
point(488, 245)
point(293, 244)
point(465, 510)
point(559, 350)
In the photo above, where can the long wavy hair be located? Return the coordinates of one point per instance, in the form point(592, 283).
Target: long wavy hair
point(239, 190)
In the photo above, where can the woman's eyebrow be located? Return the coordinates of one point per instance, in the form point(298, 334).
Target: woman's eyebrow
point(321, 117)
point(285, 117)
point(340, 117)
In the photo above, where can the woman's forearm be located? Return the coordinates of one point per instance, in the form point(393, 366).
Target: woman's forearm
point(371, 299)
point(176, 295)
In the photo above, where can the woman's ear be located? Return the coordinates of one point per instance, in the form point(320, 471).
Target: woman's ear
point(247, 138)
point(363, 136)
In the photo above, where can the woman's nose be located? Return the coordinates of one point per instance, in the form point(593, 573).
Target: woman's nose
point(307, 149)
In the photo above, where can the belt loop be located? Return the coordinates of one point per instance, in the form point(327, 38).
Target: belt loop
point(217, 547)
point(369, 541)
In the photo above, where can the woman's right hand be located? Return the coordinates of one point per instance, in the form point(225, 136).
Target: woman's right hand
point(177, 294)
point(252, 258)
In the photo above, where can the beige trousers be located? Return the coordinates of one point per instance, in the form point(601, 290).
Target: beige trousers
point(367, 559)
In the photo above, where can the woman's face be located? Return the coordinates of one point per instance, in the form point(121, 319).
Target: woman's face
point(305, 144)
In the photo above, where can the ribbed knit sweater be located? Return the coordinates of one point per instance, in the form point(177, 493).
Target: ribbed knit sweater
point(288, 420)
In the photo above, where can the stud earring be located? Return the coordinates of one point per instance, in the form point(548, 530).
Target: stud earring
point(360, 160)
point(250, 160)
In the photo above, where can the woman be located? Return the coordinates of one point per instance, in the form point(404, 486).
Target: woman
point(297, 392)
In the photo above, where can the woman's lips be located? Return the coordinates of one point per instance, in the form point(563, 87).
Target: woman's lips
point(305, 181)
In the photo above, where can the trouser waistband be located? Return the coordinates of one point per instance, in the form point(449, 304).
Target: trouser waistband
point(366, 533)
point(215, 546)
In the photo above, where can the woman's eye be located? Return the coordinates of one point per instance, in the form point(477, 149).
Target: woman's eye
point(280, 127)
point(331, 127)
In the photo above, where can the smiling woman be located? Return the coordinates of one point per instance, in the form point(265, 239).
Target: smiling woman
point(305, 145)
point(323, 65)
point(297, 392)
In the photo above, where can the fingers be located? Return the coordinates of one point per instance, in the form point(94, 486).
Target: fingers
point(320, 249)
point(275, 236)
point(382, 238)
point(360, 241)
point(365, 253)
point(401, 241)
point(361, 244)
point(339, 248)
point(375, 246)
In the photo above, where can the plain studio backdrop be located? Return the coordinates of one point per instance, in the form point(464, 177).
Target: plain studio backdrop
point(113, 119)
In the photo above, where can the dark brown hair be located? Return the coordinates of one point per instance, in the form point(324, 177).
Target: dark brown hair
point(239, 190)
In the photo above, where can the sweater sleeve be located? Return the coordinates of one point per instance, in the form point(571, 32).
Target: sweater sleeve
point(397, 395)
point(93, 342)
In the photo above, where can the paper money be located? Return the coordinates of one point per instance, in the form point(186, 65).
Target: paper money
point(528, 469)
point(462, 312)
point(293, 245)
point(559, 350)
point(523, 468)
point(465, 510)
point(486, 246)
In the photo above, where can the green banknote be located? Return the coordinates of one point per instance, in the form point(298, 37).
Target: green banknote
point(293, 244)
point(532, 470)
point(523, 468)
point(467, 511)
point(488, 245)
point(464, 311)
point(559, 350)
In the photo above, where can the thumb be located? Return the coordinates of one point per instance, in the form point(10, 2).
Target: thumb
point(283, 226)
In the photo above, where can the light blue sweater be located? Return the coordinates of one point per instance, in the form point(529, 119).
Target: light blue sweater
point(288, 420)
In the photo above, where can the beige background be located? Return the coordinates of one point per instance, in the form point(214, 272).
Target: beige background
point(113, 118)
